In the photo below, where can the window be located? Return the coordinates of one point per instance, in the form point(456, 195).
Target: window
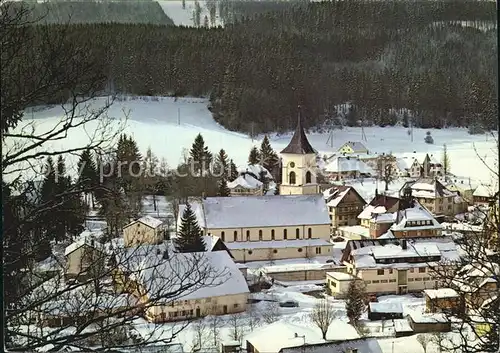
point(318, 251)
point(292, 164)
point(248, 235)
point(235, 305)
point(275, 251)
point(390, 270)
point(375, 281)
point(384, 281)
point(427, 278)
point(260, 234)
point(309, 233)
point(392, 281)
point(235, 235)
point(412, 270)
point(368, 282)
point(272, 234)
point(418, 279)
point(380, 272)
point(308, 177)
point(410, 279)
point(284, 234)
point(299, 249)
point(222, 236)
point(250, 252)
point(291, 178)
point(421, 270)
point(297, 233)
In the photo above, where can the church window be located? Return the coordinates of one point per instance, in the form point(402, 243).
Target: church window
point(248, 235)
point(299, 250)
point(275, 251)
point(222, 236)
point(272, 234)
point(308, 177)
point(284, 234)
point(292, 164)
point(309, 233)
point(291, 178)
point(297, 233)
point(260, 234)
point(235, 235)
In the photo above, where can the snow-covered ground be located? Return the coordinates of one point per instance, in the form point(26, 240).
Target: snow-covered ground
point(184, 16)
point(169, 127)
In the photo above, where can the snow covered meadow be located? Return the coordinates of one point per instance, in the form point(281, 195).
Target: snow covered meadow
point(169, 127)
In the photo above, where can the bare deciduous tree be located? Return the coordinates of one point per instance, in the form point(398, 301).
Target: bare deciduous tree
point(386, 169)
point(323, 315)
point(424, 340)
point(215, 323)
point(236, 323)
point(271, 312)
point(201, 335)
point(254, 317)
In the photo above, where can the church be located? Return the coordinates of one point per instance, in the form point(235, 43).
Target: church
point(294, 224)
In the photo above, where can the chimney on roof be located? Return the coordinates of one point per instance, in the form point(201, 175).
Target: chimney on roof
point(166, 255)
point(376, 192)
point(158, 251)
point(404, 245)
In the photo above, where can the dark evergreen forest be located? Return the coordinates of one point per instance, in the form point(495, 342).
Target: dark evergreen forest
point(380, 56)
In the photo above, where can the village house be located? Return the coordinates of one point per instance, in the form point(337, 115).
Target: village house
point(478, 283)
point(337, 283)
point(431, 167)
point(278, 336)
point(361, 345)
point(398, 266)
point(299, 165)
point(85, 256)
point(181, 285)
point(416, 169)
point(425, 322)
point(347, 167)
point(415, 221)
point(462, 188)
point(434, 196)
point(443, 300)
point(483, 195)
point(352, 147)
point(145, 230)
point(380, 204)
point(290, 226)
point(344, 204)
point(252, 180)
point(385, 311)
point(403, 167)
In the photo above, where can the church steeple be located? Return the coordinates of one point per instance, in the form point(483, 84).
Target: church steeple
point(299, 143)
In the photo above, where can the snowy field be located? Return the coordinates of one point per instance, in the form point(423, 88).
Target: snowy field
point(184, 17)
point(169, 127)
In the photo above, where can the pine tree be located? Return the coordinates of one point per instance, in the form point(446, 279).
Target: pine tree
point(268, 156)
point(151, 179)
point(88, 176)
point(128, 161)
point(199, 155)
point(254, 156)
point(221, 165)
point(205, 21)
point(233, 171)
point(189, 237)
point(355, 302)
point(352, 116)
point(223, 188)
point(446, 161)
point(183, 4)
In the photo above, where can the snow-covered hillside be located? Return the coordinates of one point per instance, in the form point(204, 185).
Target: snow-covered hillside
point(156, 124)
point(184, 16)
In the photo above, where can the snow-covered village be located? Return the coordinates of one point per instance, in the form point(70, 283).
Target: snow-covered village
point(168, 219)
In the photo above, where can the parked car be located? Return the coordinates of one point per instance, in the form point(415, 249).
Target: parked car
point(289, 304)
point(418, 294)
point(371, 298)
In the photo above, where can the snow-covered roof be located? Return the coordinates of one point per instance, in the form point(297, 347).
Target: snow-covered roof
point(402, 325)
point(200, 274)
point(357, 229)
point(210, 241)
point(148, 221)
point(462, 227)
point(356, 146)
point(441, 293)
point(86, 238)
point(255, 169)
point(362, 345)
point(483, 191)
point(276, 244)
point(341, 276)
point(261, 211)
point(421, 318)
point(369, 210)
point(348, 164)
point(371, 253)
point(403, 164)
point(384, 218)
point(387, 235)
point(430, 188)
point(279, 335)
point(334, 195)
point(245, 181)
point(386, 307)
point(418, 214)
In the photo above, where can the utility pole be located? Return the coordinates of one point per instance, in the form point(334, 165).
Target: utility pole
point(178, 116)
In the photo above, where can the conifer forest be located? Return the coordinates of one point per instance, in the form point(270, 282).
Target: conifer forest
point(382, 57)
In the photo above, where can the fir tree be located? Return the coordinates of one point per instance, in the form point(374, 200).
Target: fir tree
point(233, 171)
point(221, 165)
point(352, 116)
point(446, 161)
point(268, 156)
point(254, 156)
point(128, 162)
point(355, 302)
point(189, 237)
point(88, 177)
point(223, 188)
point(199, 155)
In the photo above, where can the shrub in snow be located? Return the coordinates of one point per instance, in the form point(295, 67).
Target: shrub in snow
point(475, 129)
point(428, 138)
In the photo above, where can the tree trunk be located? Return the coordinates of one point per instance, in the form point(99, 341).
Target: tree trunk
point(386, 186)
point(154, 201)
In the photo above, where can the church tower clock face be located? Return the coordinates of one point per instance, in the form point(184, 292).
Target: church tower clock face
point(292, 164)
